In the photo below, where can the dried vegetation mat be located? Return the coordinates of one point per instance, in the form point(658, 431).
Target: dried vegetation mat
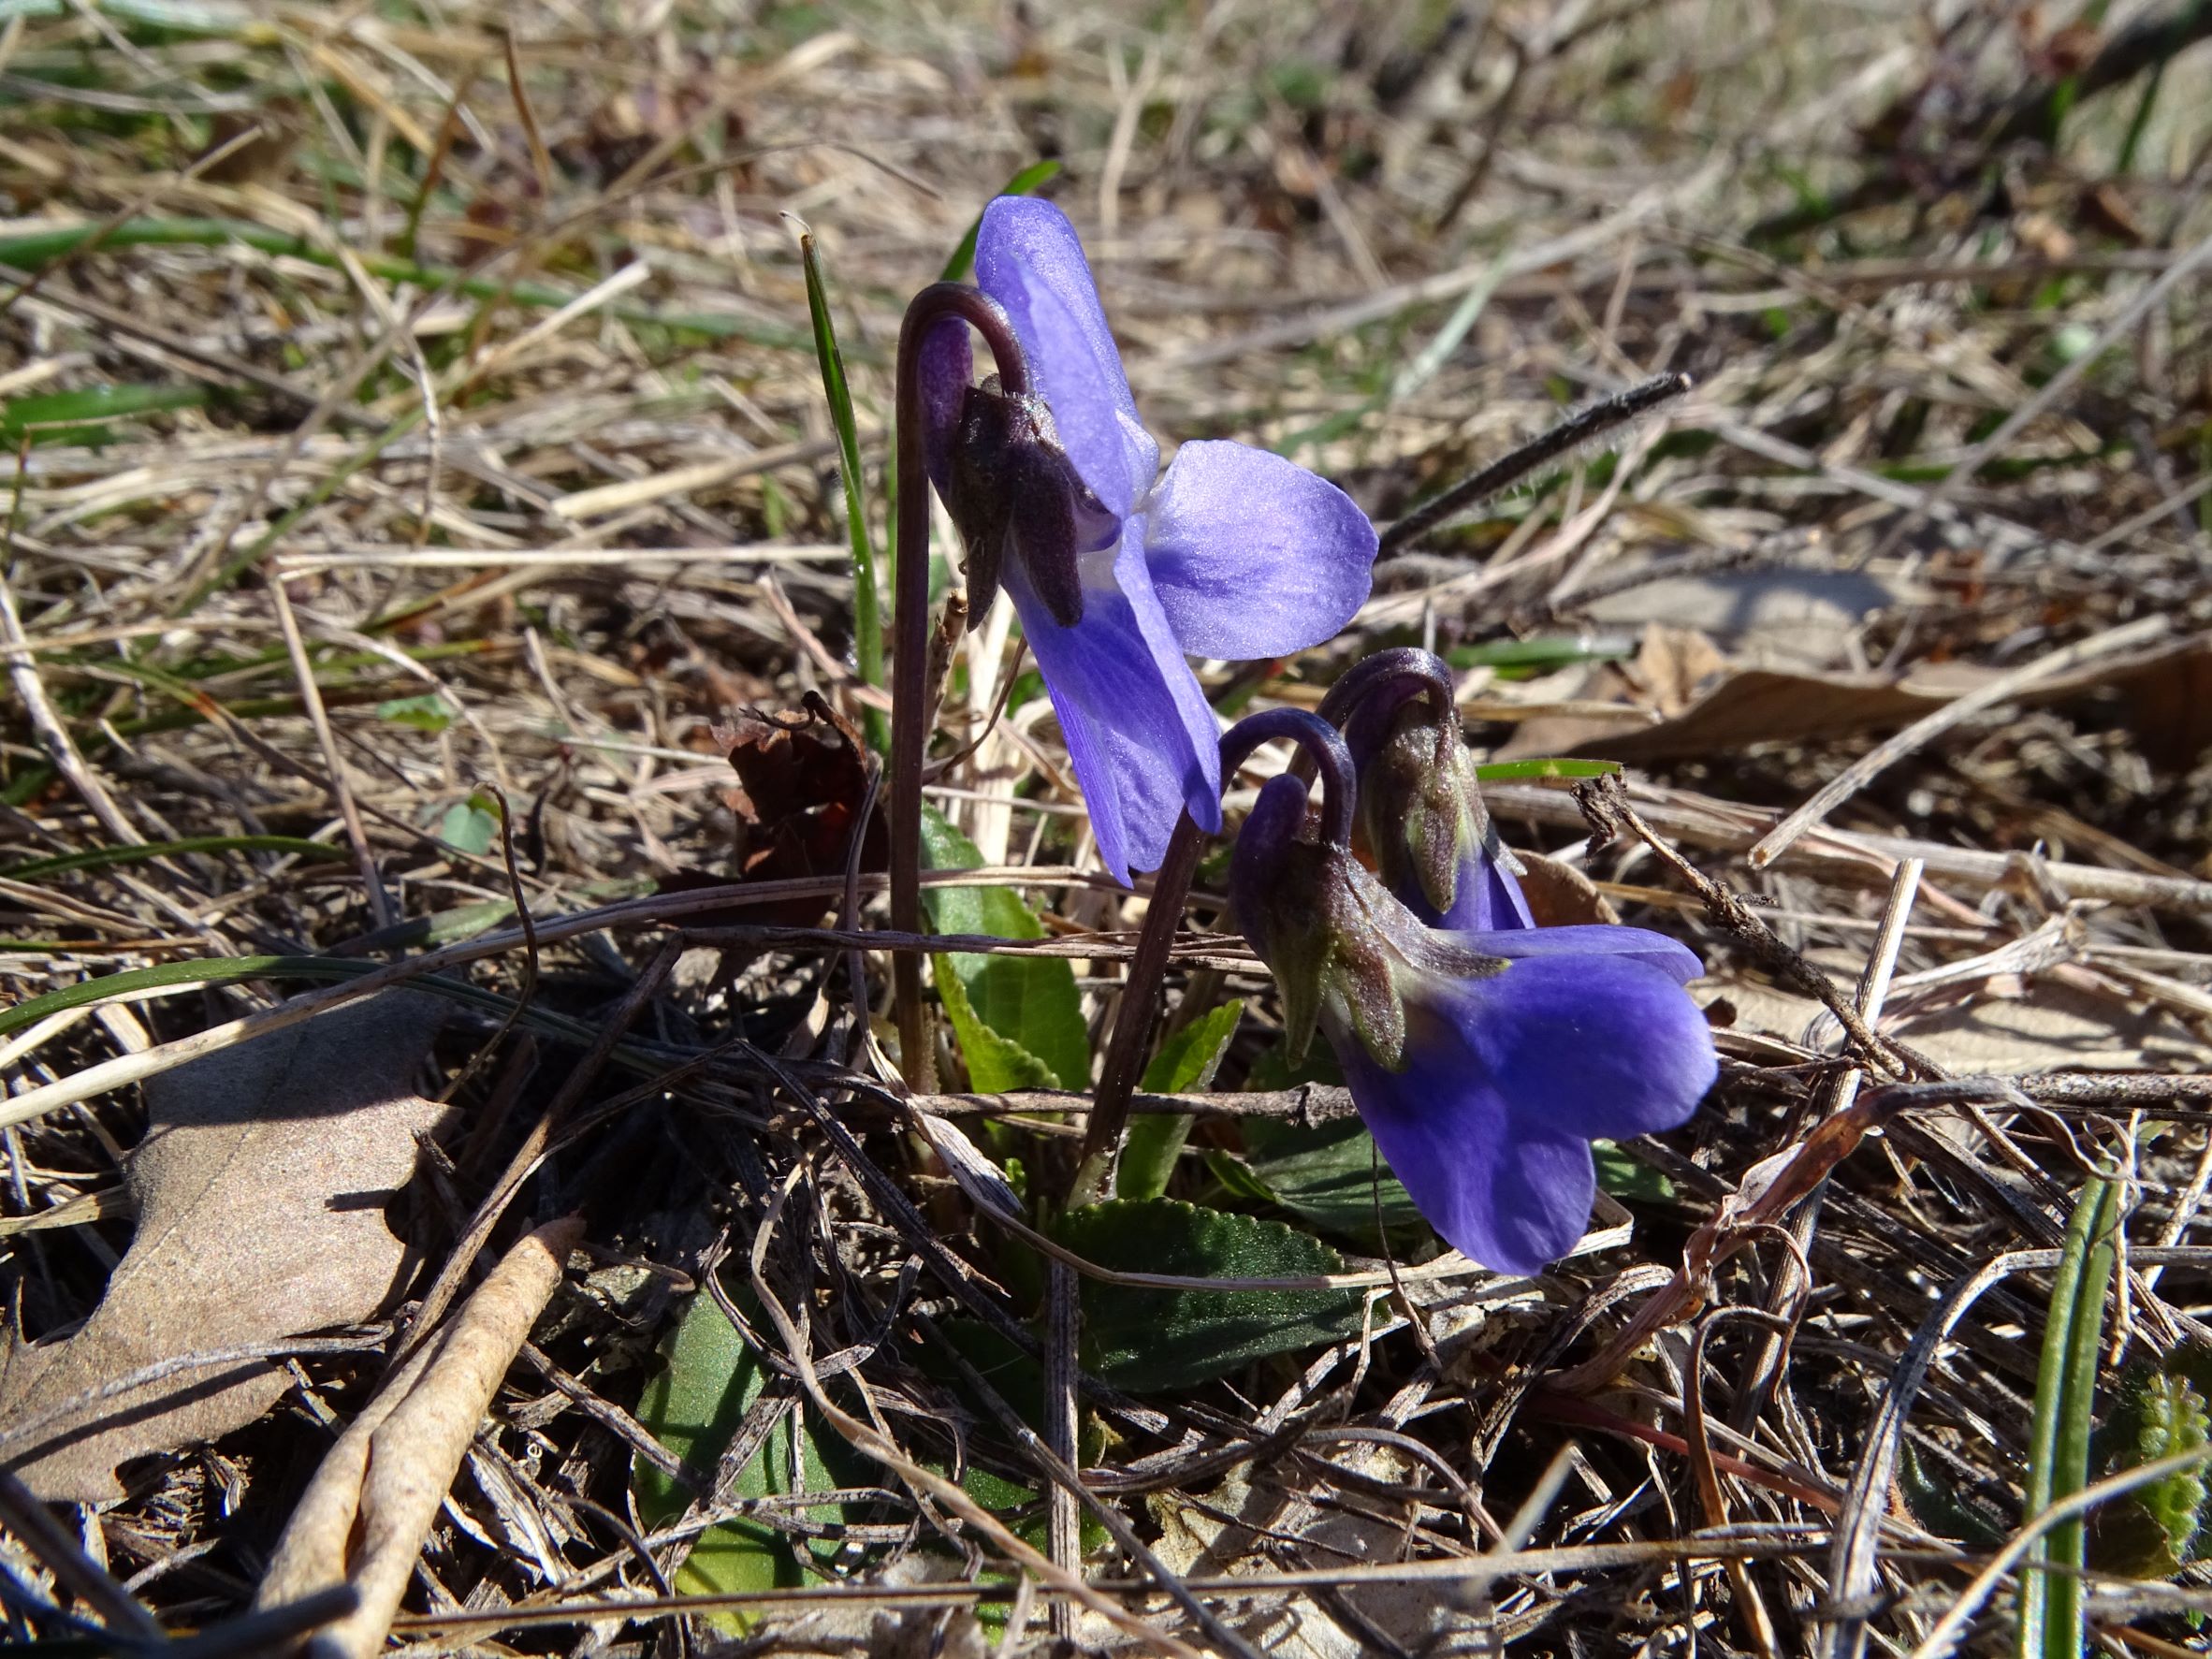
point(429, 1188)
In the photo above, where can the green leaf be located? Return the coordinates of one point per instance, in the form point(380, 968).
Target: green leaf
point(695, 1407)
point(1495, 771)
point(1626, 1176)
point(1185, 1063)
point(1330, 1177)
point(1030, 180)
point(471, 825)
point(2155, 1531)
point(867, 624)
point(1531, 654)
point(1179, 1339)
point(101, 857)
point(995, 1064)
point(1030, 1003)
point(426, 713)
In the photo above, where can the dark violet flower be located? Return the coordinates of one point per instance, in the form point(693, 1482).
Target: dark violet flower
point(1117, 570)
point(1483, 1061)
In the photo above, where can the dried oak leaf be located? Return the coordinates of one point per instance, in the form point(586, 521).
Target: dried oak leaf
point(802, 777)
point(261, 1188)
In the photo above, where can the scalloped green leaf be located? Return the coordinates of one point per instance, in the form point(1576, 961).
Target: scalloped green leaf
point(995, 1063)
point(1165, 1339)
point(1029, 1003)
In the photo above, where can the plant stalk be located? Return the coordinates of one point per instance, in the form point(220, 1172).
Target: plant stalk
point(938, 304)
point(1141, 993)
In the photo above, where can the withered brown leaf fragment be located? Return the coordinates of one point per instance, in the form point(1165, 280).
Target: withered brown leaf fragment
point(801, 778)
point(261, 1188)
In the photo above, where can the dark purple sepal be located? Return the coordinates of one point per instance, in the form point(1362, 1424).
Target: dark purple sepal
point(1012, 491)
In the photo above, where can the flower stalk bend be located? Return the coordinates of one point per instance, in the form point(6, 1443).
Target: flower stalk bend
point(939, 303)
point(1320, 747)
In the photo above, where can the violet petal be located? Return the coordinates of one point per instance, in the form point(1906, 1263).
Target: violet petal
point(1253, 556)
point(1144, 744)
point(1027, 257)
point(1506, 1078)
point(1485, 897)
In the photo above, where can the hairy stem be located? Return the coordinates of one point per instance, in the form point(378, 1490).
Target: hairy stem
point(939, 303)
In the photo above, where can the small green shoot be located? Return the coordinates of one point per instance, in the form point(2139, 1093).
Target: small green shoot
point(867, 598)
point(2051, 1624)
point(1185, 1063)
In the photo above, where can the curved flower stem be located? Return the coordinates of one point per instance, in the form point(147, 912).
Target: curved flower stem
point(1141, 991)
point(1400, 673)
point(938, 303)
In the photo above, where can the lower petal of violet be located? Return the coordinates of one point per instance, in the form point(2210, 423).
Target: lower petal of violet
point(1673, 958)
point(1508, 1077)
point(1485, 897)
point(1139, 731)
point(1253, 556)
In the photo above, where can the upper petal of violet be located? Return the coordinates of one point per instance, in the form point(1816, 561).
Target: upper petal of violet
point(1253, 556)
point(1027, 257)
point(1139, 732)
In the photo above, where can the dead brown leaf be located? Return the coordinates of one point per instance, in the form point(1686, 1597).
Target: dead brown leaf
point(1734, 709)
point(363, 1516)
point(261, 1188)
point(803, 778)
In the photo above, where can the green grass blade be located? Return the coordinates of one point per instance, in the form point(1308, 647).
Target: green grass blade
point(1545, 766)
point(1030, 180)
point(55, 416)
point(868, 599)
point(100, 857)
point(2050, 1624)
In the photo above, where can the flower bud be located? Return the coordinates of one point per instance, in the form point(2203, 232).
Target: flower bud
point(1422, 816)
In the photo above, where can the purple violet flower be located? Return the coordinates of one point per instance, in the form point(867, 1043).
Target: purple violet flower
point(1115, 570)
point(1484, 1062)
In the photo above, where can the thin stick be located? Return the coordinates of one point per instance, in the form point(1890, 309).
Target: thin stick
point(1836, 1095)
point(1855, 776)
point(310, 696)
point(1577, 430)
